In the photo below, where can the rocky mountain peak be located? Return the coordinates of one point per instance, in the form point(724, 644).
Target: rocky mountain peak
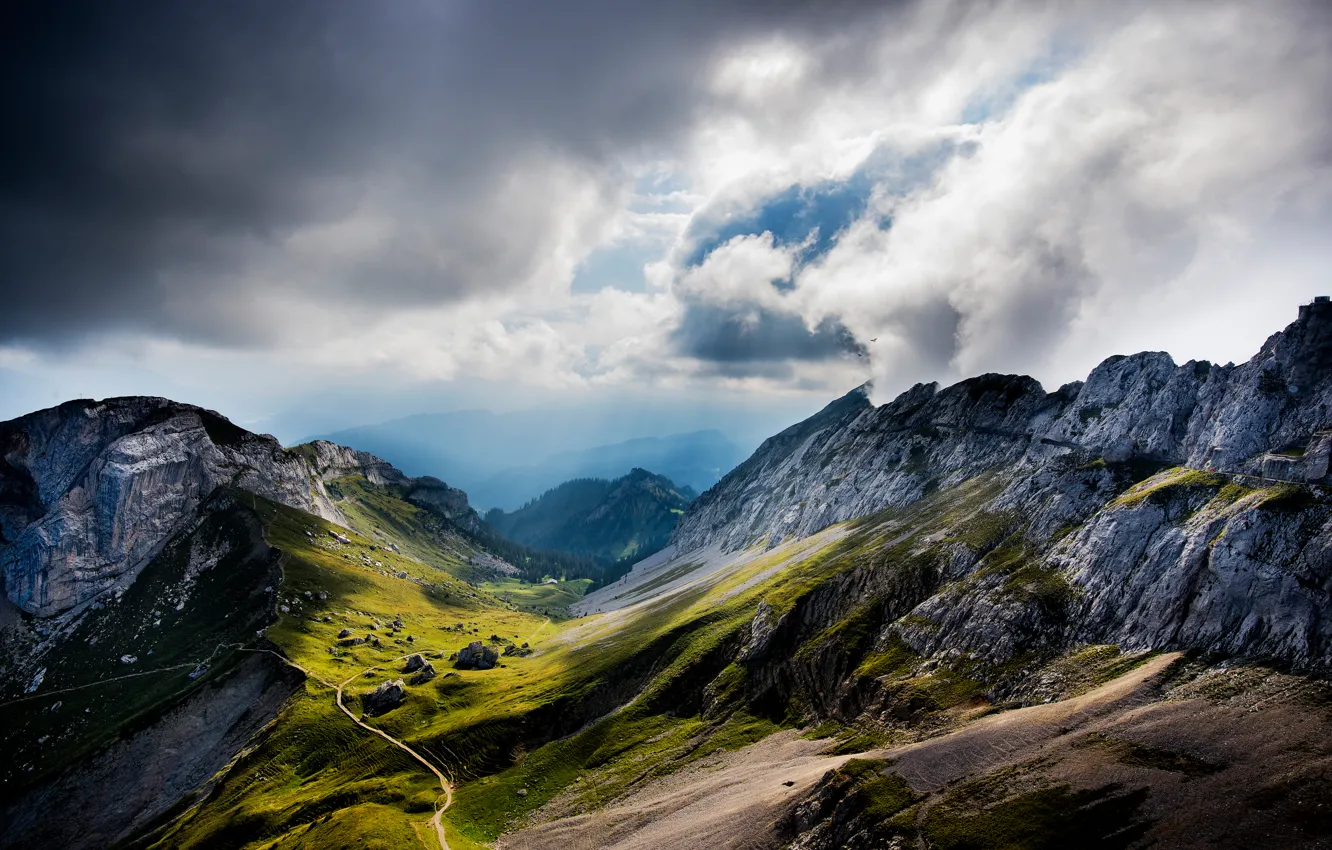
point(90, 490)
point(852, 458)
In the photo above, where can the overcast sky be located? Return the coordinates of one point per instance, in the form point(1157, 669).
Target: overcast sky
point(366, 209)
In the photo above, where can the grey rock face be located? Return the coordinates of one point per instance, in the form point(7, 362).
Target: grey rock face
point(114, 480)
point(89, 491)
point(1245, 571)
point(761, 631)
point(414, 663)
point(852, 459)
point(476, 656)
point(450, 502)
point(1250, 578)
point(385, 698)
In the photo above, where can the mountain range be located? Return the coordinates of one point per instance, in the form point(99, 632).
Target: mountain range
point(504, 461)
point(978, 616)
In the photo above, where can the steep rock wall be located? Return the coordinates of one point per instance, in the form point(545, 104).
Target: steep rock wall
point(89, 491)
point(852, 458)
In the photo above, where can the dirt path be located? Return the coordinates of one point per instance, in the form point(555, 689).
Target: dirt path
point(536, 631)
point(444, 783)
point(153, 672)
point(443, 780)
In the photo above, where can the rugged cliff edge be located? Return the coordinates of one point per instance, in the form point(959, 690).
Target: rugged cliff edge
point(1154, 506)
point(1264, 417)
point(89, 491)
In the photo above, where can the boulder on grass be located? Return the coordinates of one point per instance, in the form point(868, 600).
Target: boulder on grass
point(414, 663)
point(476, 656)
point(425, 674)
point(385, 698)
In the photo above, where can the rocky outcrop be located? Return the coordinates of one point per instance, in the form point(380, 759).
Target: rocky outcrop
point(414, 663)
point(329, 461)
point(385, 698)
point(476, 656)
point(852, 458)
point(424, 674)
point(449, 502)
point(89, 491)
point(1211, 549)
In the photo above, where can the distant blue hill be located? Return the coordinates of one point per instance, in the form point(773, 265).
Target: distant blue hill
point(696, 460)
point(505, 460)
point(621, 520)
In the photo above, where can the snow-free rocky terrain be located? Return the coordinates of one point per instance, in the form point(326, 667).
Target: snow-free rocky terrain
point(978, 616)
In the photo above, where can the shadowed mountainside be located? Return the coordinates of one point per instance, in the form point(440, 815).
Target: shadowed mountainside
point(630, 517)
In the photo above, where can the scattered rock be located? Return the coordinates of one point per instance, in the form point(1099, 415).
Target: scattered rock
point(514, 650)
point(477, 656)
point(128, 659)
point(414, 663)
point(522, 792)
point(384, 698)
point(36, 681)
point(425, 674)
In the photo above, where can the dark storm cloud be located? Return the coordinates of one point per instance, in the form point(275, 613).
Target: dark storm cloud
point(159, 154)
point(749, 339)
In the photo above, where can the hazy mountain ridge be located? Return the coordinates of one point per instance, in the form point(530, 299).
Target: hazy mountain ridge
point(505, 461)
point(629, 517)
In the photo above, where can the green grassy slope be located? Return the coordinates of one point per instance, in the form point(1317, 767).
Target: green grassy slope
point(520, 726)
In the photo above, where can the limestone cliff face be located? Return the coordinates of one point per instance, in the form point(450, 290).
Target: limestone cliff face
point(852, 458)
point(1223, 557)
point(434, 495)
point(89, 491)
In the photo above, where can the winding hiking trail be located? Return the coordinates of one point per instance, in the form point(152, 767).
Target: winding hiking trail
point(444, 783)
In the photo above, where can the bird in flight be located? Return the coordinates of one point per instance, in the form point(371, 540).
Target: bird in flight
point(876, 339)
